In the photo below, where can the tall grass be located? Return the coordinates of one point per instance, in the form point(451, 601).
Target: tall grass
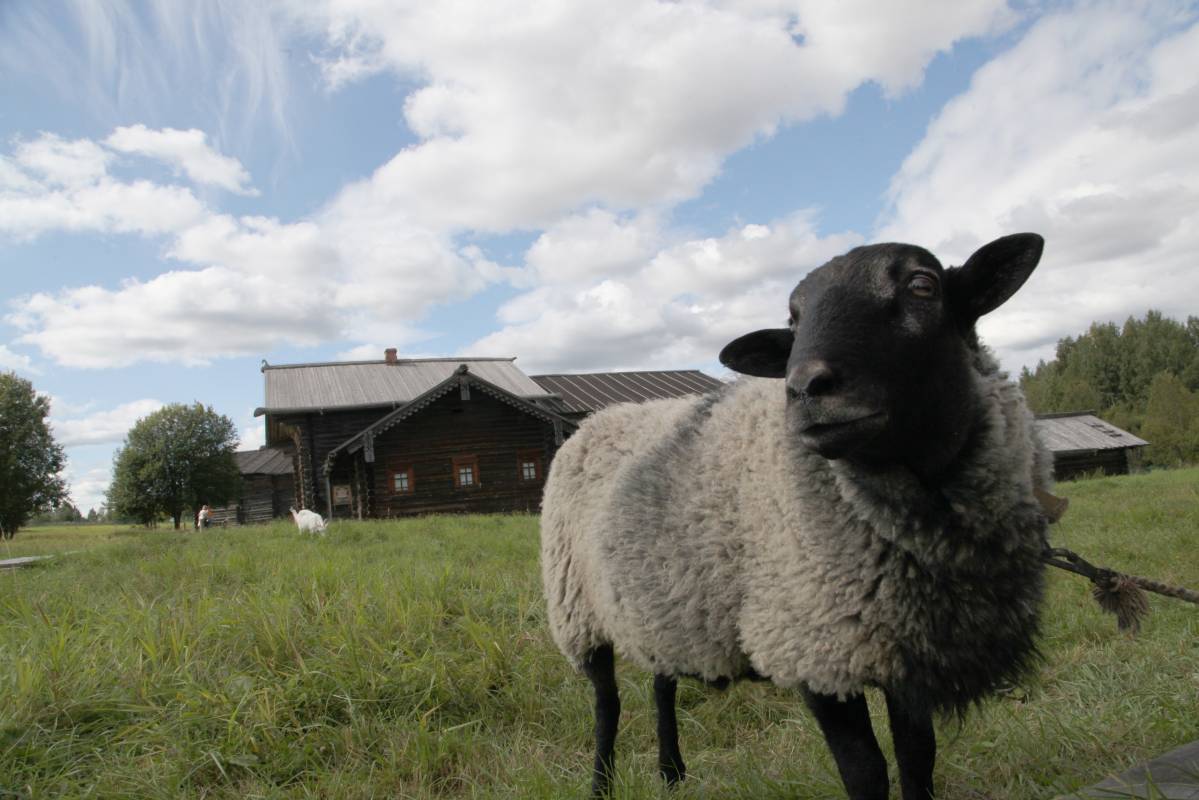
point(410, 659)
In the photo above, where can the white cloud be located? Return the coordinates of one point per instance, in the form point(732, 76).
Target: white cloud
point(260, 282)
point(187, 151)
point(251, 434)
point(179, 317)
point(1086, 132)
point(63, 163)
point(527, 111)
point(14, 361)
point(99, 427)
point(87, 486)
point(121, 60)
point(54, 184)
point(676, 306)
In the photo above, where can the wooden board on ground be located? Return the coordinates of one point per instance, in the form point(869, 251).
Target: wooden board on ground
point(14, 563)
point(1173, 776)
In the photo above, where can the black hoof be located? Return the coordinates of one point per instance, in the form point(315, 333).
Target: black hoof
point(672, 773)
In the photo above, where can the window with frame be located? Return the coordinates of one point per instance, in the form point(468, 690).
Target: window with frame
point(402, 481)
point(466, 472)
point(529, 465)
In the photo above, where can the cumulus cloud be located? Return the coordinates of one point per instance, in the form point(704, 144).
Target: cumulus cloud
point(1086, 132)
point(526, 111)
point(14, 361)
point(87, 485)
point(187, 317)
point(54, 184)
point(245, 284)
point(187, 151)
point(251, 433)
point(677, 305)
point(98, 427)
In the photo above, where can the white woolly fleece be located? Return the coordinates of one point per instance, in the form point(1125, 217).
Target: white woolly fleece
point(696, 537)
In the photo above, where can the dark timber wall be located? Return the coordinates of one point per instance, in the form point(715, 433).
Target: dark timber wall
point(1067, 466)
point(263, 498)
point(495, 433)
point(313, 436)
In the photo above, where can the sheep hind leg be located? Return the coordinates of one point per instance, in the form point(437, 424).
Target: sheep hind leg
point(846, 727)
point(915, 748)
point(670, 760)
point(600, 667)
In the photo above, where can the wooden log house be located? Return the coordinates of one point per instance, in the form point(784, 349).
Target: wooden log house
point(409, 436)
point(416, 436)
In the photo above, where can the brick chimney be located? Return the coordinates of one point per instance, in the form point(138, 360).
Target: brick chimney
point(389, 355)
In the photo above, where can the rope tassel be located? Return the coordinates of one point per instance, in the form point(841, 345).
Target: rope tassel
point(1116, 592)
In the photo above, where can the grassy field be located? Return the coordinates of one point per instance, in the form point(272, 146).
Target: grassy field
point(410, 659)
point(53, 539)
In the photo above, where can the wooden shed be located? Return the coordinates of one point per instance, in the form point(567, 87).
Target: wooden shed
point(267, 487)
point(1082, 443)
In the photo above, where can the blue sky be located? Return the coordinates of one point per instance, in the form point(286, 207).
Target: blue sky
point(188, 189)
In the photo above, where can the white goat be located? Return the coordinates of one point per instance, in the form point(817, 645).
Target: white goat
point(308, 521)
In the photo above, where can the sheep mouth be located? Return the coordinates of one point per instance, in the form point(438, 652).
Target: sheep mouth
point(838, 437)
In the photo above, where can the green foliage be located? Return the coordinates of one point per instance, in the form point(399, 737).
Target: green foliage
point(1171, 421)
point(1112, 371)
point(411, 659)
point(30, 459)
point(174, 460)
point(63, 512)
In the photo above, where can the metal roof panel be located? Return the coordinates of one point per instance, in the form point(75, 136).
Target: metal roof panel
point(589, 392)
point(358, 384)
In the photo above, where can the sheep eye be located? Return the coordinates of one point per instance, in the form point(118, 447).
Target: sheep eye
point(922, 286)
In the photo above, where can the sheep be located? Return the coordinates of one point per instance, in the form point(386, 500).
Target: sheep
point(308, 521)
point(869, 520)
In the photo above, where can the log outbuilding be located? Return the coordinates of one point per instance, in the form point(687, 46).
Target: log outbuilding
point(1082, 443)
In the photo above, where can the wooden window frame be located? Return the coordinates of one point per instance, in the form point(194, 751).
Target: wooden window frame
point(407, 472)
point(349, 495)
point(458, 463)
point(524, 457)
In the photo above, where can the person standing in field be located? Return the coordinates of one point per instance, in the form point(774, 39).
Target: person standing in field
point(203, 519)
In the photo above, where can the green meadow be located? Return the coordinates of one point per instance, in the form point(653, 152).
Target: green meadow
point(410, 659)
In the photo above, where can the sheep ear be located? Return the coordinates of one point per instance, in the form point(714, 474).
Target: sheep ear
point(993, 274)
point(761, 353)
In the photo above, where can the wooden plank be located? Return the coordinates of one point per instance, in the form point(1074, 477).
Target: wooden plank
point(25, 561)
point(1173, 776)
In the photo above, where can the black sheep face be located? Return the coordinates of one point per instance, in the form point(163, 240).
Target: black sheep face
point(877, 357)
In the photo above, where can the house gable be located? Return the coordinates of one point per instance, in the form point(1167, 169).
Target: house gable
point(457, 451)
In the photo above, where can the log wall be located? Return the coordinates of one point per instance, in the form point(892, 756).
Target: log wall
point(428, 442)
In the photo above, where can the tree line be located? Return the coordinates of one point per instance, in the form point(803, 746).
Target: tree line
point(171, 462)
point(1142, 376)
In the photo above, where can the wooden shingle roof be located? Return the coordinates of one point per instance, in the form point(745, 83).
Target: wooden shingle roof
point(1082, 431)
point(344, 385)
point(264, 461)
point(589, 392)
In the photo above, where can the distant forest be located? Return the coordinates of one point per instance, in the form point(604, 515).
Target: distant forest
point(1142, 377)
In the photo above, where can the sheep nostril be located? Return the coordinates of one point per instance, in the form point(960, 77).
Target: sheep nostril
point(813, 379)
point(819, 381)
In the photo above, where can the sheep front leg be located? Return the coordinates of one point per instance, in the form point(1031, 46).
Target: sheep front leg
point(846, 727)
point(670, 760)
point(915, 747)
point(600, 667)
